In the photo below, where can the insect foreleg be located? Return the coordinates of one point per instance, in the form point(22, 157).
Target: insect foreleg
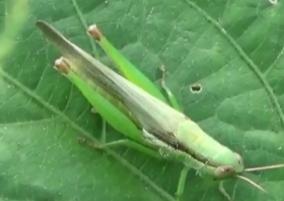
point(223, 191)
point(181, 182)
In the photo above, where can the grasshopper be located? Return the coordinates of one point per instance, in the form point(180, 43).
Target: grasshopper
point(135, 107)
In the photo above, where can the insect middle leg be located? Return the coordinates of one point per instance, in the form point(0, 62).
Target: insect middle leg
point(104, 126)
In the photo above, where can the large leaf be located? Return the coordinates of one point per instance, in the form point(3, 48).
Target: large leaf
point(233, 49)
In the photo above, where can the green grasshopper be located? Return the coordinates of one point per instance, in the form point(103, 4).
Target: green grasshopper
point(140, 111)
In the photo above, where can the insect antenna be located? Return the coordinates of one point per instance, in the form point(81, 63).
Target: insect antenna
point(259, 187)
point(256, 169)
point(268, 167)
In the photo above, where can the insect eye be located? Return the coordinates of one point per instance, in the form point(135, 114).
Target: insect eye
point(224, 171)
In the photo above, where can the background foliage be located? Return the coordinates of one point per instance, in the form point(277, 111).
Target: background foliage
point(234, 49)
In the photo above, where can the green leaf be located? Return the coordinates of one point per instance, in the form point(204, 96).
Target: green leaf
point(233, 49)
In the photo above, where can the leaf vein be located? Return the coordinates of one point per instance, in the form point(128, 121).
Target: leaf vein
point(85, 27)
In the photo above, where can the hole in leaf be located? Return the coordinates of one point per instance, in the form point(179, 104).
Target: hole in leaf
point(195, 88)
